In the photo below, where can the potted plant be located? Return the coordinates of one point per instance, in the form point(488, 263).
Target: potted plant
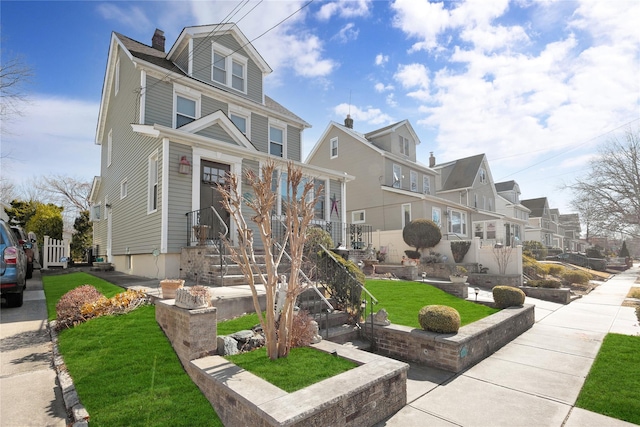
point(193, 297)
point(459, 275)
point(169, 287)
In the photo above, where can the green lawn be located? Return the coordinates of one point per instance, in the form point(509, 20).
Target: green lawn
point(404, 299)
point(304, 366)
point(124, 368)
point(57, 285)
point(245, 322)
point(612, 387)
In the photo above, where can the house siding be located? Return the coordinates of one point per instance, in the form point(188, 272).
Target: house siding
point(260, 132)
point(183, 59)
point(293, 143)
point(158, 102)
point(216, 132)
point(180, 197)
point(211, 105)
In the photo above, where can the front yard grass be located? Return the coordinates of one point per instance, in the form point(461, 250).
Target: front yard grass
point(124, 368)
point(612, 387)
point(404, 299)
point(304, 366)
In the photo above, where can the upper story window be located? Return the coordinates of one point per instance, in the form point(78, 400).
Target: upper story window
point(241, 117)
point(229, 68)
point(334, 148)
point(185, 111)
point(426, 185)
point(397, 176)
point(482, 176)
point(414, 180)
point(456, 222)
point(276, 141)
point(404, 145)
point(240, 122)
point(95, 213)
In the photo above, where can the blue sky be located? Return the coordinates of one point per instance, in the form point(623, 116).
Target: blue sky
point(535, 85)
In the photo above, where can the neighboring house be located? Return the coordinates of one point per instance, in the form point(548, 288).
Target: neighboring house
point(542, 227)
point(572, 231)
point(390, 187)
point(171, 126)
point(516, 214)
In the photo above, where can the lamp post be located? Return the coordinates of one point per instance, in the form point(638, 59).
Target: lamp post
point(477, 291)
point(424, 276)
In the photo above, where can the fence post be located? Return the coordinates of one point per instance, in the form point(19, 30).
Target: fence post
point(45, 253)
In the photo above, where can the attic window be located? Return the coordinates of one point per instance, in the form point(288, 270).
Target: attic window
point(482, 175)
point(334, 148)
point(404, 145)
point(229, 68)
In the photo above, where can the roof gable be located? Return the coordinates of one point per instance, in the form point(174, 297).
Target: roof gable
point(220, 119)
point(536, 206)
point(463, 172)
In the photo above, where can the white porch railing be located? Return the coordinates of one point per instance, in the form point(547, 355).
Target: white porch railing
point(55, 253)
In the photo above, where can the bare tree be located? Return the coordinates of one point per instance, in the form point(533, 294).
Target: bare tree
point(502, 254)
point(14, 73)
point(277, 323)
point(611, 188)
point(72, 193)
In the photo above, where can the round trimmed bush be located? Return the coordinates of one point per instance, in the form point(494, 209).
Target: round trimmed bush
point(439, 318)
point(508, 296)
point(421, 233)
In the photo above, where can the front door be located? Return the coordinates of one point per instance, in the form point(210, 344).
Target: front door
point(212, 174)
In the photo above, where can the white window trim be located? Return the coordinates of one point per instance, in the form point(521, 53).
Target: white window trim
point(153, 158)
point(356, 214)
point(413, 177)
point(426, 189)
point(397, 177)
point(404, 145)
point(229, 57)
point(117, 77)
point(188, 93)
point(237, 110)
point(403, 210)
point(97, 207)
point(109, 146)
point(283, 127)
point(463, 224)
point(331, 146)
point(124, 188)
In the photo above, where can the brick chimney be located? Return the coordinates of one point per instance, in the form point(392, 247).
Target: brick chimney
point(157, 41)
point(348, 122)
point(432, 160)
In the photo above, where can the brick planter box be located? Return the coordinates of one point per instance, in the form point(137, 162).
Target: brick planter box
point(562, 296)
point(452, 352)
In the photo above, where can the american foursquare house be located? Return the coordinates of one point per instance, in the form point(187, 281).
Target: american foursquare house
point(171, 126)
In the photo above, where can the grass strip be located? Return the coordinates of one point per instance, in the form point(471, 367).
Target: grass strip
point(245, 322)
point(404, 299)
point(304, 366)
point(57, 285)
point(126, 373)
point(612, 387)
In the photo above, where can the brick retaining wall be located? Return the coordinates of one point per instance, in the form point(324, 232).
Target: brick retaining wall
point(562, 296)
point(453, 352)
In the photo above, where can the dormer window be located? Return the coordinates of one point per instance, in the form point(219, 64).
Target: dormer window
point(229, 68)
point(404, 145)
point(482, 175)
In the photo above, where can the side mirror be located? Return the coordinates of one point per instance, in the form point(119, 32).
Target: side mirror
point(27, 245)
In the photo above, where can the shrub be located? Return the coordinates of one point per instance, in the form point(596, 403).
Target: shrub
point(459, 249)
point(576, 276)
point(555, 269)
point(508, 296)
point(439, 318)
point(421, 233)
point(69, 307)
point(347, 297)
point(531, 267)
point(121, 303)
point(303, 329)
point(316, 236)
point(535, 248)
point(545, 283)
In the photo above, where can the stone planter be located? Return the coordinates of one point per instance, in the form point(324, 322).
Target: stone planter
point(458, 279)
point(185, 299)
point(169, 287)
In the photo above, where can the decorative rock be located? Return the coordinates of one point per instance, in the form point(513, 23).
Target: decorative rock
point(381, 318)
point(227, 346)
point(242, 335)
point(316, 332)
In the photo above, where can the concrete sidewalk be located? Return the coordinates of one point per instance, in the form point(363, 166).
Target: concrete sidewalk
point(532, 381)
point(29, 391)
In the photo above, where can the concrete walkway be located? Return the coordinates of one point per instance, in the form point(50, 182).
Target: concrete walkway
point(532, 381)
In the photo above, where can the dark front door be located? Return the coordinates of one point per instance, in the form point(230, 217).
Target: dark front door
point(211, 175)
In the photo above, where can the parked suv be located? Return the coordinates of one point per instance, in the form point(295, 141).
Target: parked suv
point(13, 267)
point(27, 245)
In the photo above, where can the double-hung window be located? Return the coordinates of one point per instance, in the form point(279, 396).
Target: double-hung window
point(426, 185)
point(404, 145)
point(237, 75)
point(219, 67)
point(414, 180)
point(241, 117)
point(334, 148)
point(229, 68)
point(240, 122)
point(152, 202)
point(276, 141)
point(457, 222)
point(185, 110)
point(397, 176)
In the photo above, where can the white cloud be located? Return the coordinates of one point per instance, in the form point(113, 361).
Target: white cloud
point(344, 9)
point(57, 135)
point(413, 75)
point(131, 16)
point(370, 115)
point(347, 33)
point(380, 87)
point(391, 100)
point(381, 59)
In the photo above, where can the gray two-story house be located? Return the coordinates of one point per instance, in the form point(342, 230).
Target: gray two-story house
point(171, 126)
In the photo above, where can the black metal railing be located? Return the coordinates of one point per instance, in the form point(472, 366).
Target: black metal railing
point(351, 236)
point(205, 226)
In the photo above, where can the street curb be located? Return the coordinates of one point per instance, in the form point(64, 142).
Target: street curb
point(75, 409)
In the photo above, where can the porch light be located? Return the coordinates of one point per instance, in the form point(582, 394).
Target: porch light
point(424, 276)
point(184, 166)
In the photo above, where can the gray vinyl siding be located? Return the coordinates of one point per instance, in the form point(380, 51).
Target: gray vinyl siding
point(203, 62)
point(183, 60)
point(293, 143)
point(158, 102)
point(216, 132)
point(211, 105)
point(260, 132)
point(180, 197)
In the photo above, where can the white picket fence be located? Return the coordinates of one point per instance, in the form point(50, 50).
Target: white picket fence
point(55, 253)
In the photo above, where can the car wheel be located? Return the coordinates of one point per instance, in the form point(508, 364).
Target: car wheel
point(29, 271)
point(15, 300)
